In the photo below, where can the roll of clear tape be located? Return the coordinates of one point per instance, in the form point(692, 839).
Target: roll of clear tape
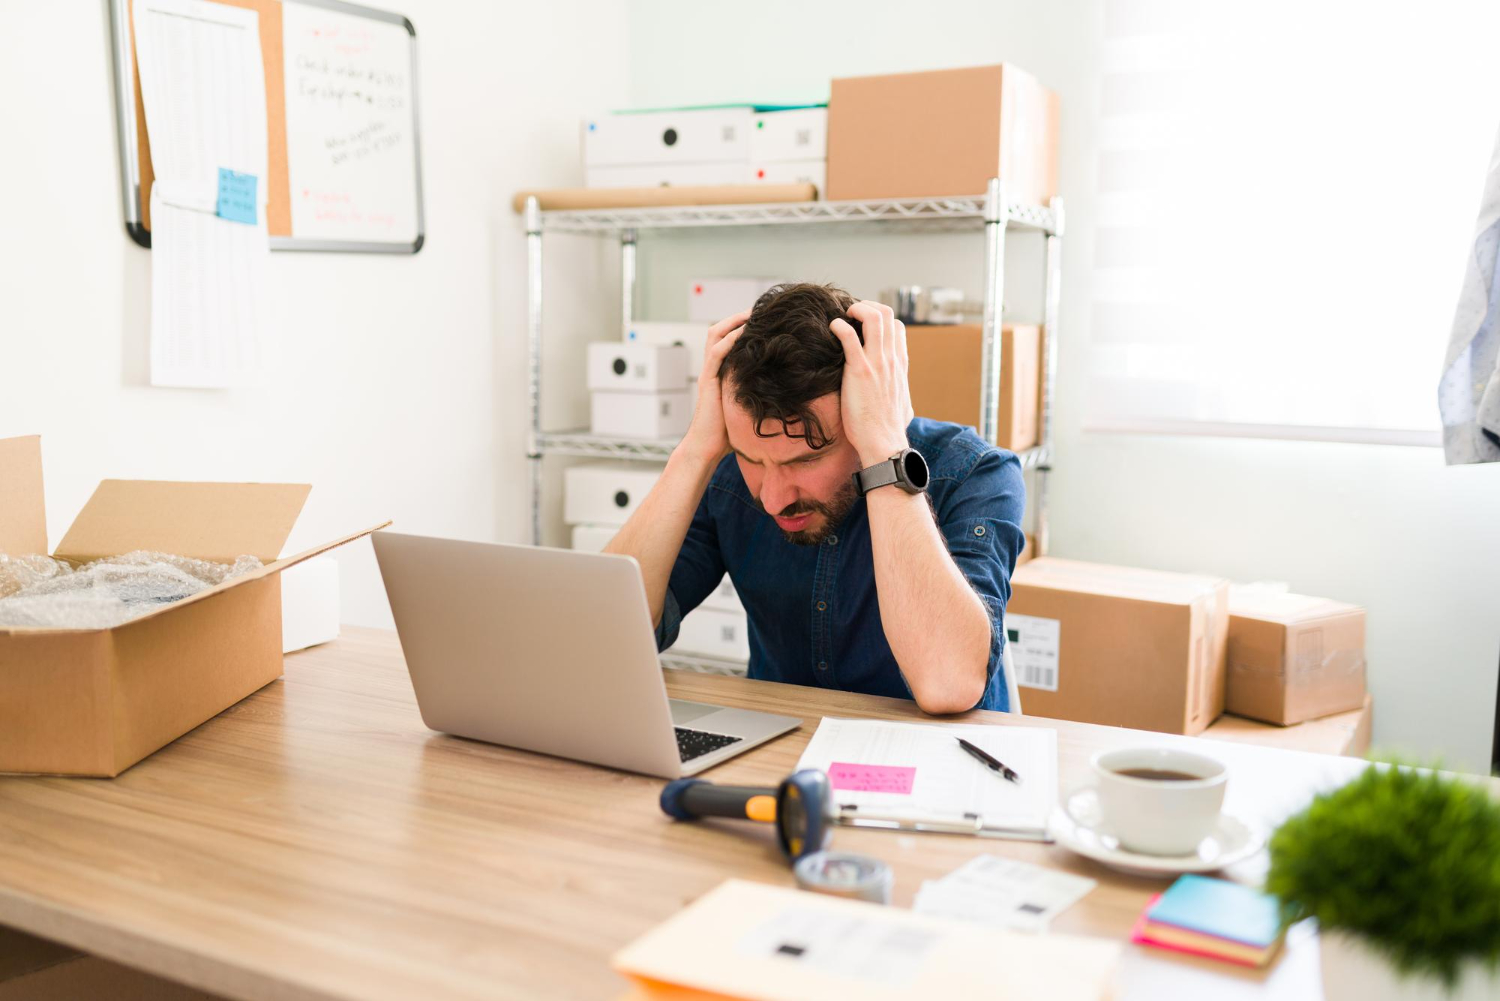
point(844, 874)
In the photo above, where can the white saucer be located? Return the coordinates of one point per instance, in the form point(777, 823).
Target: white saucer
point(1075, 823)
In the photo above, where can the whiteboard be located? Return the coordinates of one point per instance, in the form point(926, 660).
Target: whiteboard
point(351, 128)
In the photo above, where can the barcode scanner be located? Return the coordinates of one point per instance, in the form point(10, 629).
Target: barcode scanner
point(800, 807)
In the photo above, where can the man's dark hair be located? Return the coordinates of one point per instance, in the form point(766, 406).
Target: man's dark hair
point(786, 358)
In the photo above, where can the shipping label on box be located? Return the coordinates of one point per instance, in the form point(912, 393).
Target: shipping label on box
point(712, 299)
point(633, 366)
point(794, 134)
point(704, 135)
point(654, 416)
point(693, 336)
point(606, 493)
point(666, 175)
point(1034, 646)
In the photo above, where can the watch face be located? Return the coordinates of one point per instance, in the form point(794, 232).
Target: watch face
point(915, 468)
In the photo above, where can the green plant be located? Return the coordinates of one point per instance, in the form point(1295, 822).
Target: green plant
point(1406, 860)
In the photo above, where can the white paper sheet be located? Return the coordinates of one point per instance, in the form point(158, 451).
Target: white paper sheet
point(203, 86)
point(947, 783)
point(1004, 892)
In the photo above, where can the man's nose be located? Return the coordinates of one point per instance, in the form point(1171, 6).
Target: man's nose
point(777, 491)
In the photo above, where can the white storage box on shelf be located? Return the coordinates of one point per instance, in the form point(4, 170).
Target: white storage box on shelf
point(693, 336)
point(620, 366)
point(713, 632)
point(593, 538)
point(794, 134)
point(704, 135)
point(814, 172)
point(605, 493)
point(712, 299)
point(724, 597)
point(666, 175)
point(654, 416)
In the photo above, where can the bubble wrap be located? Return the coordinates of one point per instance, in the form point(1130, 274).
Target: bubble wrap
point(41, 591)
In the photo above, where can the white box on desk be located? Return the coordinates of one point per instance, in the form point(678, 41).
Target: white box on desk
point(605, 493)
point(794, 134)
point(666, 175)
point(593, 538)
point(712, 299)
point(649, 416)
point(715, 633)
point(693, 336)
point(309, 603)
point(703, 135)
point(621, 366)
point(724, 597)
point(814, 172)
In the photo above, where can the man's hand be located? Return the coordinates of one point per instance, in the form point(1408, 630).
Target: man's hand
point(876, 398)
point(706, 437)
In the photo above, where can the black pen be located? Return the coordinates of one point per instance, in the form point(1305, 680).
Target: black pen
point(989, 761)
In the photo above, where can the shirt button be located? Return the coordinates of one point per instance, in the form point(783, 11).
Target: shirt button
point(833, 540)
point(822, 606)
point(979, 530)
point(822, 665)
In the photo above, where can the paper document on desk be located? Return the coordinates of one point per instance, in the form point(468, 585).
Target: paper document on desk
point(203, 88)
point(773, 943)
point(1003, 892)
point(916, 775)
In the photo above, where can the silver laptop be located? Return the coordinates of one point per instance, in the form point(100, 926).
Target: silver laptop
point(550, 650)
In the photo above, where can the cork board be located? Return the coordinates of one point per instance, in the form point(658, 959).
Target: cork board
point(138, 175)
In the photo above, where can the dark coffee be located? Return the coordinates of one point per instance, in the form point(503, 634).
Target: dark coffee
point(1157, 774)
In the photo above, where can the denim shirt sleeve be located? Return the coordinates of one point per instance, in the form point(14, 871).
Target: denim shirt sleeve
point(698, 570)
point(980, 518)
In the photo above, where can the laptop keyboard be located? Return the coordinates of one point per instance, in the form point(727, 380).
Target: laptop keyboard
point(696, 743)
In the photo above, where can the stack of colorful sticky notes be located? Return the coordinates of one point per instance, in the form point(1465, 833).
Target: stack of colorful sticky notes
point(1214, 918)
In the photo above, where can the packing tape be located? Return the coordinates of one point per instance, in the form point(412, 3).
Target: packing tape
point(843, 874)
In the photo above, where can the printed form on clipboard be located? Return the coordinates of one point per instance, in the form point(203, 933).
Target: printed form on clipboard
point(915, 776)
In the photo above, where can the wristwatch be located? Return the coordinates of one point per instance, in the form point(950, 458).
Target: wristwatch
point(906, 469)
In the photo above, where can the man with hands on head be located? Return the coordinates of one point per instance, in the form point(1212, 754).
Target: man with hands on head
point(872, 549)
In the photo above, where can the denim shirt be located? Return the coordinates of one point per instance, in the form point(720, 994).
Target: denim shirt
point(812, 610)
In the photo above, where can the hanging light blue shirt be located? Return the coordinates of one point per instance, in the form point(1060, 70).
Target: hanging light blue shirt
point(812, 610)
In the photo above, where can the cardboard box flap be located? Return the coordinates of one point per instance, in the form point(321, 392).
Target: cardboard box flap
point(23, 511)
point(308, 554)
point(1116, 581)
point(1287, 609)
point(207, 521)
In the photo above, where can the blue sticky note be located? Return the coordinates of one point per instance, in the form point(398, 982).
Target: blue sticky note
point(1220, 908)
point(236, 196)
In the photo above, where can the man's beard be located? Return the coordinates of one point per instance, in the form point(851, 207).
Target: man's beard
point(833, 512)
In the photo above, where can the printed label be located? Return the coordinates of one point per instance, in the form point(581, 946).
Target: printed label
point(871, 778)
point(875, 951)
point(1034, 643)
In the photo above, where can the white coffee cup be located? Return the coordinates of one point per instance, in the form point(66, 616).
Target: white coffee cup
point(1156, 816)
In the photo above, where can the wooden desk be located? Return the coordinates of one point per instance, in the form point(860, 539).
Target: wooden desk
point(317, 841)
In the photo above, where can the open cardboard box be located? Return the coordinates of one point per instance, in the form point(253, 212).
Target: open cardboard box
point(96, 701)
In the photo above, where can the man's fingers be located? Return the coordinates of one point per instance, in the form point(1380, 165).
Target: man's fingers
point(848, 338)
point(872, 318)
point(727, 324)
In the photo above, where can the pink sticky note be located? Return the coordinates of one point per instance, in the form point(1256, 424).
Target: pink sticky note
point(871, 778)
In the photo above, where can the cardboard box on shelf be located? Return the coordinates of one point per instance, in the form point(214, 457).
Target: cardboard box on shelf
point(792, 134)
point(699, 135)
point(724, 597)
point(650, 416)
point(1119, 645)
point(955, 129)
point(619, 366)
point(593, 538)
point(606, 493)
point(814, 172)
point(1346, 733)
point(1293, 657)
point(310, 604)
point(96, 701)
point(714, 632)
point(945, 367)
point(712, 299)
point(693, 336)
point(666, 175)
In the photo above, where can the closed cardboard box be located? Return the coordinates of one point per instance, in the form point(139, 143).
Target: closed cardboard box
point(712, 299)
point(1346, 733)
point(606, 493)
point(1293, 657)
point(693, 336)
point(1119, 645)
point(636, 366)
point(701, 135)
point(647, 416)
point(945, 368)
point(945, 132)
point(96, 701)
point(793, 134)
point(666, 175)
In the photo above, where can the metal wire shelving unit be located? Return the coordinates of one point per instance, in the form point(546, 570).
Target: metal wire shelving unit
point(990, 213)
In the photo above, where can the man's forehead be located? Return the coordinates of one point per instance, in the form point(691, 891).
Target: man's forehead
point(773, 442)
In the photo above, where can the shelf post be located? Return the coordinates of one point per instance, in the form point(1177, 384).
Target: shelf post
point(1049, 375)
point(627, 280)
point(994, 296)
point(534, 361)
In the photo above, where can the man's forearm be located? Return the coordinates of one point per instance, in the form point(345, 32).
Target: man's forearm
point(936, 625)
point(654, 533)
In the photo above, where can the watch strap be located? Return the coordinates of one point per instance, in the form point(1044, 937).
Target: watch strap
point(879, 475)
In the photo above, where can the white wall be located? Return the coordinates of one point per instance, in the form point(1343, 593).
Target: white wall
point(1389, 528)
point(401, 391)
